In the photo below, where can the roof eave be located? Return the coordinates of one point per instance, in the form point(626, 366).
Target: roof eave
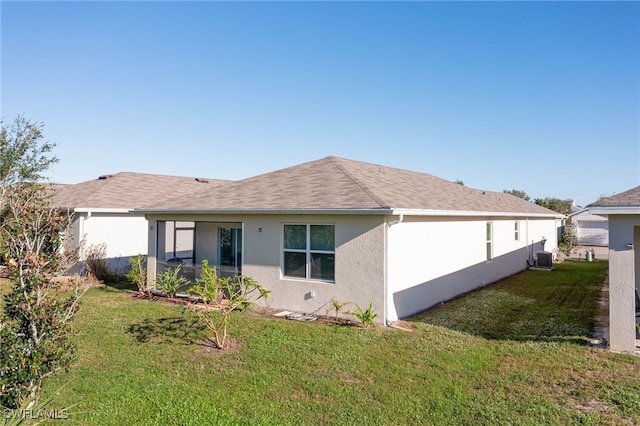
point(374, 211)
point(470, 213)
point(381, 211)
point(613, 210)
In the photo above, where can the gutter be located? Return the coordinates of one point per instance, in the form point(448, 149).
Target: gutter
point(385, 299)
point(90, 210)
point(386, 211)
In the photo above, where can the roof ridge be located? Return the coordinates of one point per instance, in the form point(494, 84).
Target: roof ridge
point(336, 161)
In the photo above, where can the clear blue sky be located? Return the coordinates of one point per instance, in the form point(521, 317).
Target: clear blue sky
point(542, 96)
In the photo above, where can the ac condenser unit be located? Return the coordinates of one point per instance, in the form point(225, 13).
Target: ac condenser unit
point(544, 259)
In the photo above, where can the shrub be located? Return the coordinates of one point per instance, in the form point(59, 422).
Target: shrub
point(137, 272)
point(95, 262)
point(170, 281)
point(366, 316)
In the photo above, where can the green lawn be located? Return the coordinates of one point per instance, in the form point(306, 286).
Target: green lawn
point(512, 353)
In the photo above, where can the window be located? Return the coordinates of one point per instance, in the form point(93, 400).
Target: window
point(489, 241)
point(309, 251)
point(516, 228)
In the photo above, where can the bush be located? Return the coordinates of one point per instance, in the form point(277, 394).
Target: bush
point(170, 281)
point(366, 316)
point(137, 272)
point(95, 262)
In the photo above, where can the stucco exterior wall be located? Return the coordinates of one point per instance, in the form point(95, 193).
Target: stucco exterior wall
point(124, 235)
point(359, 253)
point(431, 260)
point(416, 263)
point(624, 262)
point(359, 267)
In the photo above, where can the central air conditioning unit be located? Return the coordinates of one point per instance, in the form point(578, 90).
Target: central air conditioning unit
point(544, 259)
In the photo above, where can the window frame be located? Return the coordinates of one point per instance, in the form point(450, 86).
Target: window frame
point(517, 230)
point(308, 251)
point(489, 240)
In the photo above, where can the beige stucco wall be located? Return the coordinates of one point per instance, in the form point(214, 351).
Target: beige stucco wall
point(624, 262)
point(359, 273)
point(360, 266)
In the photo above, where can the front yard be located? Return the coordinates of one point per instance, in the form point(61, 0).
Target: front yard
point(513, 353)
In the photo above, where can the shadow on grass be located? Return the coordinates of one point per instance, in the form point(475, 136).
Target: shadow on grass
point(558, 307)
point(174, 330)
point(120, 284)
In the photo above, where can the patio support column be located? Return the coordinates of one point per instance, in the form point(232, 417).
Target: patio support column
point(622, 324)
point(152, 253)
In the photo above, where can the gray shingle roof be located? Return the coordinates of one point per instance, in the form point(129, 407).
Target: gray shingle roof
point(630, 198)
point(125, 190)
point(338, 183)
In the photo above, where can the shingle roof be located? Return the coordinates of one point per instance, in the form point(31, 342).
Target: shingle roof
point(126, 190)
point(338, 183)
point(630, 198)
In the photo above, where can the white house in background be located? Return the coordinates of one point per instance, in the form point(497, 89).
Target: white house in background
point(623, 211)
point(353, 231)
point(103, 211)
point(590, 229)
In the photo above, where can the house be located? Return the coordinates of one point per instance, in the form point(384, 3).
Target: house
point(103, 211)
point(353, 231)
point(590, 229)
point(623, 212)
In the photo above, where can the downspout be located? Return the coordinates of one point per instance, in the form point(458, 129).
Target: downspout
point(385, 308)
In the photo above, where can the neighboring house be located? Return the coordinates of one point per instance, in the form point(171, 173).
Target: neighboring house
point(353, 231)
point(623, 211)
point(590, 229)
point(103, 212)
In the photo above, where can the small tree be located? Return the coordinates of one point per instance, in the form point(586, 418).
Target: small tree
point(336, 306)
point(137, 273)
point(224, 295)
point(567, 241)
point(35, 322)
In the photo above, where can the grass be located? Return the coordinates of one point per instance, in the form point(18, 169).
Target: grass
point(141, 362)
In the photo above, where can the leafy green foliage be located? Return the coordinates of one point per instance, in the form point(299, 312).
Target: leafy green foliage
point(366, 316)
point(170, 281)
point(137, 273)
point(518, 193)
point(336, 306)
point(23, 154)
point(555, 204)
point(225, 295)
point(568, 239)
point(35, 321)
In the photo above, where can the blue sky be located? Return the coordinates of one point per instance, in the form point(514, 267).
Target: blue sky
point(538, 96)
